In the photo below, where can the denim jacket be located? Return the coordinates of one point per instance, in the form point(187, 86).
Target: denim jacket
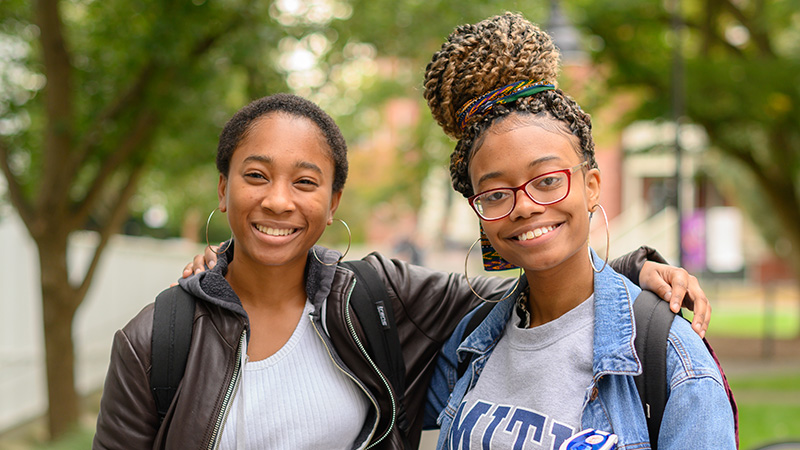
point(698, 414)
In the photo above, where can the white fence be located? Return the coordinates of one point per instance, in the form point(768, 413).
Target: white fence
point(132, 272)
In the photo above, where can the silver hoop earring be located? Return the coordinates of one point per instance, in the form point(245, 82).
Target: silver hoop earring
point(208, 221)
point(466, 277)
point(349, 241)
point(608, 240)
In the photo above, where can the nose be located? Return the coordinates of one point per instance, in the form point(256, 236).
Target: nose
point(524, 206)
point(278, 198)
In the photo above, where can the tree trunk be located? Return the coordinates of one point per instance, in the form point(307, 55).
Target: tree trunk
point(58, 311)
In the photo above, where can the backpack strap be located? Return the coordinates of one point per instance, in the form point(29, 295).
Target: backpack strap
point(653, 321)
point(173, 318)
point(480, 313)
point(373, 308)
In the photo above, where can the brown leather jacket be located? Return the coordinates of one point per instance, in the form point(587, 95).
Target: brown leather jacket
point(427, 306)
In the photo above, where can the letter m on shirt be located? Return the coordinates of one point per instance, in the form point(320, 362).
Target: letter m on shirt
point(461, 430)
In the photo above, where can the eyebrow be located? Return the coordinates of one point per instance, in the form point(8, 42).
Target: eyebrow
point(269, 160)
point(309, 166)
point(259, 158)
point(532, 164)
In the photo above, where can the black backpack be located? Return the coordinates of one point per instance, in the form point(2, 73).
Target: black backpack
point(172, 335)
point(653, 321)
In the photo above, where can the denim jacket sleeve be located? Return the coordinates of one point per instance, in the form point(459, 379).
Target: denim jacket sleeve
point(445, 376)
point(698, 414)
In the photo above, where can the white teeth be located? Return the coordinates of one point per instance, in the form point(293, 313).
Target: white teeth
point(275, 231)
point(535, 233)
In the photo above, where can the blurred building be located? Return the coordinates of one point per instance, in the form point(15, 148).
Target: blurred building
point(638, 167)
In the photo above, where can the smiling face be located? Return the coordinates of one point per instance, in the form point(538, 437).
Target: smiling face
point(535, 237)
point(278, 193)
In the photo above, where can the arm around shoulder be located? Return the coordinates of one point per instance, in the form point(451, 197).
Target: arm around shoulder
point(127, 418)
point(630, 264)
point(434, 300)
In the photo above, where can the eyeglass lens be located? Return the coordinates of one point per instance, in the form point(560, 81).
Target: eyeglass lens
point(546, 189)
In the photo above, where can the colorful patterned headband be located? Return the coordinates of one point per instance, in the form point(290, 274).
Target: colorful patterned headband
point(479, 106)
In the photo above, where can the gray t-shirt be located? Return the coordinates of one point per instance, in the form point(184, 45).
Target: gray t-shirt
point(531, 391)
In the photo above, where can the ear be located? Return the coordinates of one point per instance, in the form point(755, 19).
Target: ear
point(335, 198)
point(222, 191)
point(592, 188)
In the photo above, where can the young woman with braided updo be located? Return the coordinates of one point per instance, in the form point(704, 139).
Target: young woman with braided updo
point(556, 355)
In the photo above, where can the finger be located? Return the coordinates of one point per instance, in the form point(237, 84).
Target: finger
point(210, 256)
point(679, 281)
point(653, 279)
point(702, 318)
point(661, 288)
point(198, 264)
point(187, 271)
point(700, 305)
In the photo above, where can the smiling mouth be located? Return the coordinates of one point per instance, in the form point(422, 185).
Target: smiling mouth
point(536, 233)
point(275, 231)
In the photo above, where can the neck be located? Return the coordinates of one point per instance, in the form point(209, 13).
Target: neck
point(556, 291)
point(268, 286)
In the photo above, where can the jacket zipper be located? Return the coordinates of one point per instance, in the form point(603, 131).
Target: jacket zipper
point(212, 444)
point(374, 367)
point(353, 378)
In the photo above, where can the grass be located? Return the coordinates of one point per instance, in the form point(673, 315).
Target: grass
point(769, 408)
point(76, 440)
point(753, 321)
point(784, 325)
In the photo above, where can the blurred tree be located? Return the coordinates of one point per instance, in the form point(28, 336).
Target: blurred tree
point(89, 91)
point(742, 71)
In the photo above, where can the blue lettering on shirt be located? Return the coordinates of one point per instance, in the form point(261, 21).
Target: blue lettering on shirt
point(464, 428)
point(526, 419)
point(499, 414)
point(505, 427)
point(560, 434)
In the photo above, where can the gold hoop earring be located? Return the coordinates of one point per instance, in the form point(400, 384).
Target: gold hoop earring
point(208, 221)
point(349, 241)
point(608, 239)
point(466, 277)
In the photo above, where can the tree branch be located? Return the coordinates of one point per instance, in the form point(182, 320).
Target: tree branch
point(133, 142)
point(205, 43)
point(118, 214)
point(756, 33)
point(135, 94)
point(124, 102)
point(58, 107)
point(14, 188)
point(781, 195)
point(711, 36)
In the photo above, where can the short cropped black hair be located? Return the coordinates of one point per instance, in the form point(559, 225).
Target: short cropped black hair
point(241, 123)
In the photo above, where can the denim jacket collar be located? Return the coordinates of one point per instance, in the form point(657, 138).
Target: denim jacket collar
point(614, 330)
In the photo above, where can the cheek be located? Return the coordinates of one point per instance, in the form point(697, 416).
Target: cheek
point(492, 229)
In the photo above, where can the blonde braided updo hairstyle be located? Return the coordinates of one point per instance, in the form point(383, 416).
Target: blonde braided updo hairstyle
point(477, 58)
